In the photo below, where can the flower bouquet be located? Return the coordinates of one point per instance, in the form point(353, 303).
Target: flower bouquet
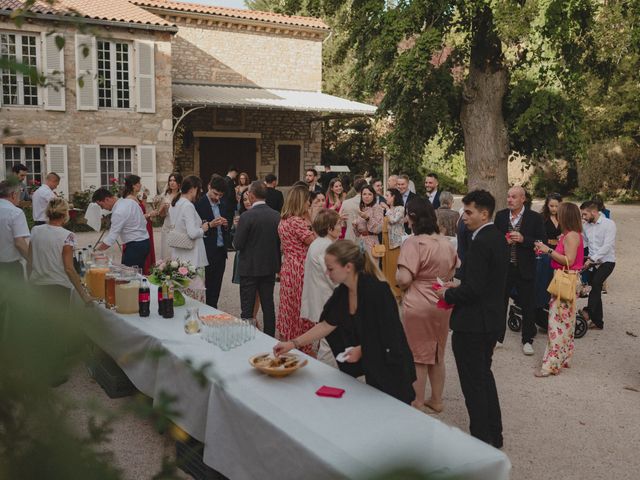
point(179, 272)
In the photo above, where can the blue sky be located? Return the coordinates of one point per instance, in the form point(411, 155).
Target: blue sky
point(221, 3)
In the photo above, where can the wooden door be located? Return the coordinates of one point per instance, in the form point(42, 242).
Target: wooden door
point(288, 164)
point(217, 154)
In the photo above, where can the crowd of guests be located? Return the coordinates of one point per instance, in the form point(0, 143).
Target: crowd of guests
point(373, 275)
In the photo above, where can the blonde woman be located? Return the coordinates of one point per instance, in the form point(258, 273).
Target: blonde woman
point(295, 238)
point(362, 313)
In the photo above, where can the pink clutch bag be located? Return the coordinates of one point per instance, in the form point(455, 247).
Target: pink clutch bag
point(333, 392)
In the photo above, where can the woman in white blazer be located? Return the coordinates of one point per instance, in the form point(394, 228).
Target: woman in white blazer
point(185, 219)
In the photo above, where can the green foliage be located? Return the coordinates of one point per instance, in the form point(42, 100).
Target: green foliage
point(441, 156)
point(352, 142)
point(82, 199)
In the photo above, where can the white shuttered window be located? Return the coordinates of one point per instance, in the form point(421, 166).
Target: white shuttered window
point(86, 73)
point(145, 77)
point(57, 162)
point(54, 94)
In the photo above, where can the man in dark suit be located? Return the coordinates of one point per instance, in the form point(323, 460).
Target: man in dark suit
point(211, 208)
point(431, 187)
point(258, 244)
point(274, 199)
point(402, 184)
point(230, 195)
point(478, 317)
point(521, 226)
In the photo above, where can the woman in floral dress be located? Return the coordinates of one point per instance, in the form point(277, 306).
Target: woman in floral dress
point(295, 238)
point(392, 233)
point(562, 313)
point(370, 218)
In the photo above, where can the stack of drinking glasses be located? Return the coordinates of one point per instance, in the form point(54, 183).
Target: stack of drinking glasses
point(228, 334)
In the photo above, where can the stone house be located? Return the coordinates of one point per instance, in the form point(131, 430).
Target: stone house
point(163, 86)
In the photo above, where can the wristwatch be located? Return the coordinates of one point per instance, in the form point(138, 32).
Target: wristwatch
point(550, 251)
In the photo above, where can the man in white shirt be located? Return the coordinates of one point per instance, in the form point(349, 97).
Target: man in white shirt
point(42, 196)
point(600, 235)
point(128, 223)
point(14, 239)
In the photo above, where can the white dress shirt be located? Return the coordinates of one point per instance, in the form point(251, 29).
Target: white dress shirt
point(13, 224)
point(40, 200)
point(601, 238)
point(128, 222)
point(432, 196)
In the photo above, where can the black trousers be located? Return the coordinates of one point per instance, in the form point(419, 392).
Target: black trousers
point(473, 353)
point(135, 253)
point(526, 288)
point(596, 278)
point(38, 222)
point(11, 274)
point(264, 286)
point(213, 274)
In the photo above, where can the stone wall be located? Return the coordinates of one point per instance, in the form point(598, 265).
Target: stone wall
point(35, 125)
point(227, 56)
point(274, 127)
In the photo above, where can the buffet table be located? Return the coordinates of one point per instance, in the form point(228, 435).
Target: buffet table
point(258, 427)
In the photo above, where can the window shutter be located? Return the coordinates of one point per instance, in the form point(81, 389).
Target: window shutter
point(147, 168)
point(90, 166)
point(3, 173)
point(145, 77)
point(87, 70)
point(54, 94)
point(57, 162)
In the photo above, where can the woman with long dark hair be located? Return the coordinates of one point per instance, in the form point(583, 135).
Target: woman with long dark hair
point(425, 257)
point(569, 253)
point(362, 313)
point(335, 197)
point(544, 272)
point(131, 190)
point(173, 187)
point(368, 224)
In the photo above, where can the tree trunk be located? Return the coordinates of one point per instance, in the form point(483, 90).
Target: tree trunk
point(486, 146)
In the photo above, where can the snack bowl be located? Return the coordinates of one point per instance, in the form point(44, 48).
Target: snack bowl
point(282, 366)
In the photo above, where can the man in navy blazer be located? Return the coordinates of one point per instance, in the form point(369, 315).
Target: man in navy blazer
point(431, 184)
point(258, 244)
point(478, 316)
point(212, 208)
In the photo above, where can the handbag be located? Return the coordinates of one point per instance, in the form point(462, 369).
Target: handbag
point(378, 250)
point(563, 284)
point(180, 240)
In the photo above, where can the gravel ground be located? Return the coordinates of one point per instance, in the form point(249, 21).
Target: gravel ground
point(581, 424)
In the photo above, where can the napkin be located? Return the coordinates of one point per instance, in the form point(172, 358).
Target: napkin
point(93, 215)
point(333, 392)
point(342, 356)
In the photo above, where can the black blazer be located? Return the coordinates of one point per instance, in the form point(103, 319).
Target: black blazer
point(258, 242)
point(203, 207)
point(479, 300)
point(275, 199)
point(436, 200)
point(387, 362)
point(532, 229)
point(409, 198)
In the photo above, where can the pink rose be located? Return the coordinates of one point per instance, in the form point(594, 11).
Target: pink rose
point(161, 266)
point(183, 270)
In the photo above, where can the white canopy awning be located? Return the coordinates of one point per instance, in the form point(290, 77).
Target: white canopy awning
point(191, 95)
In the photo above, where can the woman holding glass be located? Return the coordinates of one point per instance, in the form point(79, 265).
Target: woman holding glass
point(425, 257)
point(186, 221)
point(173, 187)
point(334, 198)
point(368, 224)
point(392, 233)
point(569, 253)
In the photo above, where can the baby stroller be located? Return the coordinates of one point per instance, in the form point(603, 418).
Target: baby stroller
point(514, 319)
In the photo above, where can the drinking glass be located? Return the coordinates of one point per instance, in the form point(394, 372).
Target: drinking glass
point(250, 325)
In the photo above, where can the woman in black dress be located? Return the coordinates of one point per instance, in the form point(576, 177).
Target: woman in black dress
point(544, 272)
point(362, 313)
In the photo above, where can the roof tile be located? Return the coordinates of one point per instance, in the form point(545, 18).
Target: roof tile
point(270, 17)
point(112, 10)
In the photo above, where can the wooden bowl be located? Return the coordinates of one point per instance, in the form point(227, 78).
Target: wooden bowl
point(266, 363)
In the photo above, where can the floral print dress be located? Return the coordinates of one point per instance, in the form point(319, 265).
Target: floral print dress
point(293, 231)
point(367, 230)
point(562, 322)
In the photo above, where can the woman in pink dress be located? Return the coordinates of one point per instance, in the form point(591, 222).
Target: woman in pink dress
point(368, 223)
point(562, 313)
point(295, 238)
point(334, 198)
point(425, 257)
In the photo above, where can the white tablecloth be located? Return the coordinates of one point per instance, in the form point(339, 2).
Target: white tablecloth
point(259, 427)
